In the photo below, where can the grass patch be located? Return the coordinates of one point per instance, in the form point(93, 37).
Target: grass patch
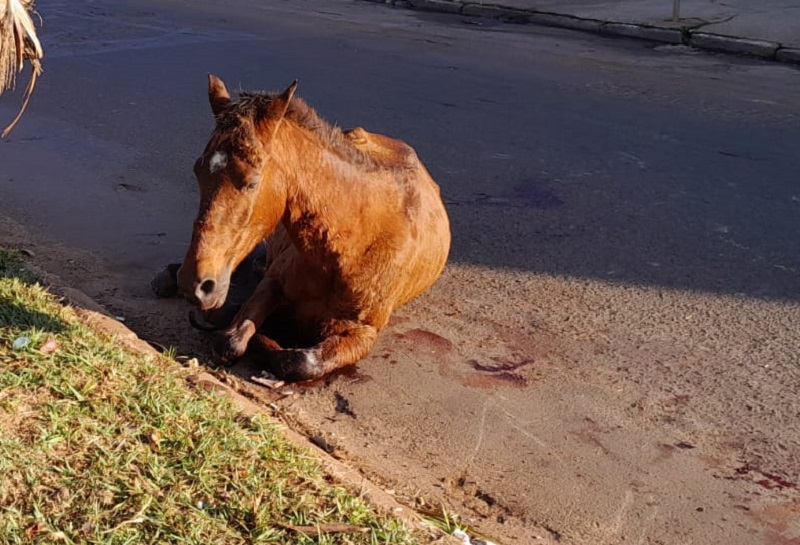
point(101, 445)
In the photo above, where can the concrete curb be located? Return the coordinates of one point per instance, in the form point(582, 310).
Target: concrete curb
point(730, 44)
point(443, 6)
point(565, 21)
point(495, 12)
point(641, 32)
point(687, 35)
point(788, 54)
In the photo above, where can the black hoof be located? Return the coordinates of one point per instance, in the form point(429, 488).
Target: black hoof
point(213, 320)
point(165, 283)
point(295, 365)
point(199, 321)
point(228, 348)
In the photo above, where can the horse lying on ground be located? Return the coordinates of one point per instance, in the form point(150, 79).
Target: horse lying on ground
point(354, 225)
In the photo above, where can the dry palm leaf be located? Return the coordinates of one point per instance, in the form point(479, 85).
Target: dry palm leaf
point(18, 43)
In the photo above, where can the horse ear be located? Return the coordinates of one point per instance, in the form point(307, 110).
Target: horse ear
point(289, 92)
point(218, 95)
point(285, 99)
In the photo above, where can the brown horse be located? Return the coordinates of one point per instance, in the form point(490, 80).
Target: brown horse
point(355, 227)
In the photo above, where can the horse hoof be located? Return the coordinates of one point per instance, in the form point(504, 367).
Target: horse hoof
point(213, 320)
point(296, 365)
point(165, 283)
point(199, 321)
point(229, 348)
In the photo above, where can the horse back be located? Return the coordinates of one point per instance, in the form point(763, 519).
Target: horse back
point(376, 254)
point(387, 151)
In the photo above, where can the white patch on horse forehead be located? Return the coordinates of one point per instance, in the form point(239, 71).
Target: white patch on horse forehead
point(218, 161)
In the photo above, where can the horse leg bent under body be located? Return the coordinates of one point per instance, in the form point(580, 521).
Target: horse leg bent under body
point(345, 343)
point(265, 300)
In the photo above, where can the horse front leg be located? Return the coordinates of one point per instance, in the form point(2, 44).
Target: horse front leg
point(344, 343)
point(264, 301)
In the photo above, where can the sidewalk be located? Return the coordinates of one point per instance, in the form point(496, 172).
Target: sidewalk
point(768, 29)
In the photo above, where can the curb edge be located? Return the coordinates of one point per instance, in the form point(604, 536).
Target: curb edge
point(685, 35)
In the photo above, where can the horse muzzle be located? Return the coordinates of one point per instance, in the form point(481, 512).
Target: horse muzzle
point(207, 292)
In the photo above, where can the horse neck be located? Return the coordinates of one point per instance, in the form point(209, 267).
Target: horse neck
point(322, 189)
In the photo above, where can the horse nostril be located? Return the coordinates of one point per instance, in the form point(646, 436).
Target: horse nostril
point(206, 288)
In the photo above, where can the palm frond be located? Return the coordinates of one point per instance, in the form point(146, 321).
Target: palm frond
point(18, 43)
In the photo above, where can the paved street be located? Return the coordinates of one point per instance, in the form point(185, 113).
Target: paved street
point(611, 356)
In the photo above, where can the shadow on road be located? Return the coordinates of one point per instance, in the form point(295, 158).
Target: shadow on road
point(679, 239)
point(620, 190)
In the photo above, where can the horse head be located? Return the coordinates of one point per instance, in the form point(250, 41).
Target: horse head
point(242, 190)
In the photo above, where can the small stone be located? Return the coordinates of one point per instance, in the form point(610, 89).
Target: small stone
point(49, 347)
point(322, 443)
point(154, 438)
point(20, 343)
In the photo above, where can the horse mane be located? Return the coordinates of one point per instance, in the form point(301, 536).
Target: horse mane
point(236, 120)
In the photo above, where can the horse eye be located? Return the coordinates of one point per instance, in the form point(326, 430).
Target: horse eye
point(251, 185)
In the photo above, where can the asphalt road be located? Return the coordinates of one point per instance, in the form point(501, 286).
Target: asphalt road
point(612, 354)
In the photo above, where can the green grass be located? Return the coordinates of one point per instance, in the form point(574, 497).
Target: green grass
point(102, 445)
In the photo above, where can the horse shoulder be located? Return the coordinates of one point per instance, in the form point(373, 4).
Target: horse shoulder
point(384, 149)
